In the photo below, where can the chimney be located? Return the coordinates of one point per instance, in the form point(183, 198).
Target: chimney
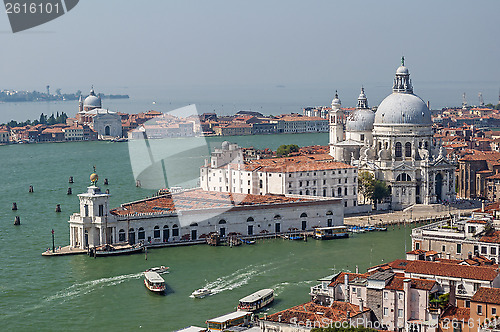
point(279, 318)
point(453, 292)
point(482, 206)
point(357, 270)
point(406, 288)
point(361, 305)
point(346, 287)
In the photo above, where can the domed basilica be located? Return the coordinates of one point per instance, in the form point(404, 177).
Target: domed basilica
point(396, 144)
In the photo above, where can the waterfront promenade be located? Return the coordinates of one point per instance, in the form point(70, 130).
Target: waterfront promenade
point(415, 213)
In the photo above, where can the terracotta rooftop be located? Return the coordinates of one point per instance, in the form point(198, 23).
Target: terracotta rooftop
point(491, 237)
point(397, 283)
point(340, 278)
point(337, 312)
point(301, 163)
point(198, 199)
point(456, 314)
point(451, 270)
point(487, 295)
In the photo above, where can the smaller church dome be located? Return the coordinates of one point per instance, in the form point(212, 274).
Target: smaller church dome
point(402, 70)
point(360, 120)
point(336, 101)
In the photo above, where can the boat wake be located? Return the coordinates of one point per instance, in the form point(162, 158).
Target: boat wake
point(280, 287)
point(238, 278)
point(90, 286)
point(74, 291)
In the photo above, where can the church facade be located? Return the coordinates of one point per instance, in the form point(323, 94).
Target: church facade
point(395, 143)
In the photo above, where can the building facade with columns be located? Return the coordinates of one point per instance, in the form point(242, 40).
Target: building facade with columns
point(395, 143)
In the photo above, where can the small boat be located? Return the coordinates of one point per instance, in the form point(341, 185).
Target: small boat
point(327, 233)
point(115, 250)
point(381, 229)
point(249, 241)
point(295, 237)
point(201, 293)
point(154, 282)
point(159, 269)
point(256, 300)
point(369, 228)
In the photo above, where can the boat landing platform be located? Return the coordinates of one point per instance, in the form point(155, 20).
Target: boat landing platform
point(68, 250)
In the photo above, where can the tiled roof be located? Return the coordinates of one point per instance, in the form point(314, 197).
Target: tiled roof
point(491, 237)
point(487, 295)
point(198, 199)
point(451, 270)
point(456, 314)
point(397, 283)
point(301, 163)
point(341, 278)
point(316, 313)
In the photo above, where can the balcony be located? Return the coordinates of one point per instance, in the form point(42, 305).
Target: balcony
point(319, 290)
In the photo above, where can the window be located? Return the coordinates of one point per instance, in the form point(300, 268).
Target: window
point(467, 303)
point(493, 250)
point(345, 204)
point(142, 234)
point(400, 313)
point(386, 295)
point(121, 235)
point(479, 309)
point(400, 296)
point(459, 248)
point(399, 150)
point(386, 311)
point(476, 286)
point(101, 210)
point(493, 311)
point(417, 245)
point(362, 137)
point(443, 249)
point(408, 149)
point(339, 192)
point(156, 232)
point(484, 250)
point(86, 210)
point(175, 230)
point(403, 177)
point(345, 191)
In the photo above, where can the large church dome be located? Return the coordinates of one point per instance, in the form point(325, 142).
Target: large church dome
point(402, 106)
point(92, 101)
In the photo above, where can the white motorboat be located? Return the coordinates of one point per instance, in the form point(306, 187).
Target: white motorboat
point(159, 269)
point(201, 293)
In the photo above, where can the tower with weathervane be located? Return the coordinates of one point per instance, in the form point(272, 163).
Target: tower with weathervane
point(90, 227)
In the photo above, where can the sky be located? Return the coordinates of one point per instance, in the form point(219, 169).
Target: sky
point(311, 48)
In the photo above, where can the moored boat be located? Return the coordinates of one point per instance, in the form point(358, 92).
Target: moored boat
point(201, 293)
point(154, 282)
point(256, 300)
point(327, 233)
point(115, 250)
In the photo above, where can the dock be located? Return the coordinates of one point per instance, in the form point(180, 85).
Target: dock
point(67, 250)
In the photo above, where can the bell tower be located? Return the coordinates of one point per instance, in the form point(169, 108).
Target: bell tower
point(336, 124)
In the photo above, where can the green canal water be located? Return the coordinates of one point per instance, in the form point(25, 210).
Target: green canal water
point(77, 293)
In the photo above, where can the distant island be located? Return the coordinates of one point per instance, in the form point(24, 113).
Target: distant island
point(14, 96)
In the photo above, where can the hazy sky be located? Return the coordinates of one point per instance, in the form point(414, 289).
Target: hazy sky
point(183, 43)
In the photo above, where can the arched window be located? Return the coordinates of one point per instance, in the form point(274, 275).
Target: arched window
point(250, 219)
point(121, 235)
point(407, 149)
point(307, 192)
point(156, 232)
point(142, 234)
point(222, 221)
point(193, 224)
point(175, 230)
point(339, 192)
point(277, 217)
point(329, 213)
point(303, 215)
point(345, 191)
point(426, 144)
point(399, 152)
point(403, 177)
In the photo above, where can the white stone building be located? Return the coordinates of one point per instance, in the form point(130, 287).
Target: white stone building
point(193, 214)
point(396, 144)
point(312, 175)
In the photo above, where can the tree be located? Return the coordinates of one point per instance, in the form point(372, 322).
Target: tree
point(284, 150)
point(380, 191)
point(366, 182)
